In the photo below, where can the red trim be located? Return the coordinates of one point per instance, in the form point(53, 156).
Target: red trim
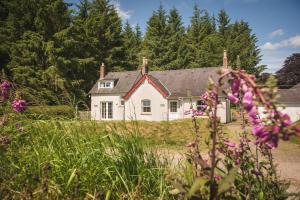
point(164, 94)
point(139, 82)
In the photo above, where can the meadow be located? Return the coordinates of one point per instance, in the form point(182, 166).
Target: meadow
point(57, 157)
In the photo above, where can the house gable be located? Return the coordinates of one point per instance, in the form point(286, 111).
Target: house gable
point(154, 82)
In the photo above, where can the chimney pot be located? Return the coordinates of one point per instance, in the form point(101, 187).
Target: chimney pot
point(225, 61)
point(145, 66)
point(102, 71)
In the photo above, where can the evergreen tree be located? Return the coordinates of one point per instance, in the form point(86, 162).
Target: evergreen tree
point(176, 49)
point(223, 22)
point(132, 46)
point(241, 42)
point(83, 9)
point(155, 41)
point(201, 38)
point(104, 27)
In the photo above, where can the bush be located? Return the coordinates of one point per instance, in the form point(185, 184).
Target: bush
point(48, 112)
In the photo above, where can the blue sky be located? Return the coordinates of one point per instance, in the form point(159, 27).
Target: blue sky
point(276, 23)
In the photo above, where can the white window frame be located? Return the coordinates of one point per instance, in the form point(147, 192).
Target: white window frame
point(170, 106)
point(106, 106)
point(106, 84)
point(143, 106)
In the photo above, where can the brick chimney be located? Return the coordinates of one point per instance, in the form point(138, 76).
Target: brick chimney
point(102, 71)
point(225, 61)
point(145, 69)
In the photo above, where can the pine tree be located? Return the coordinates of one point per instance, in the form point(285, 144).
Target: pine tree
point(223, 22)
point(176, 49)
point(200, 39)
point(132, 46)
point(241, 42)
point(156, 39)
point(104, 26)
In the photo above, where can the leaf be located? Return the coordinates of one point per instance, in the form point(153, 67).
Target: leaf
point(197, 185)
point(71, 178)
point(261, 195)
point(227, 181)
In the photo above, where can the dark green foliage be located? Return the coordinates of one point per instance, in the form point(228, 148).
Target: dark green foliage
point(132, 41)
point(155, 41)
point(52, 53)
point(289, 74)
point(49, 112)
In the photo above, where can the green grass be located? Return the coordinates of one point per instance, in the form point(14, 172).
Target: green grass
point(166, 134)
point(69, 159)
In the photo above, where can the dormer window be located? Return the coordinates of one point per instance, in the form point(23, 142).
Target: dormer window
point(106, 84)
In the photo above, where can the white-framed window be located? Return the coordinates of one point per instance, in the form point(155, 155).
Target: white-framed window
point(201, 105)
point(173, 106)
point(146, 106)
point(106, 84)
point(106, 109)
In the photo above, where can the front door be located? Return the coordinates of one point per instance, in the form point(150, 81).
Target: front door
point(106, 109)
point(173, 110)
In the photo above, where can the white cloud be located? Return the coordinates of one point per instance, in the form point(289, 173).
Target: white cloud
point(123, 14)
point(290, 42)
point(277, 32)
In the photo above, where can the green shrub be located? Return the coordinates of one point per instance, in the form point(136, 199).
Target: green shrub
point(49, 112)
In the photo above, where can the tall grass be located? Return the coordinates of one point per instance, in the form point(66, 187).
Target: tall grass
point(59, 160)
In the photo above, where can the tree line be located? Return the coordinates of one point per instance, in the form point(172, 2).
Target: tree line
point(51, 52)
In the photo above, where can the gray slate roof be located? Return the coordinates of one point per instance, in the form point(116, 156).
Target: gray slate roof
point(291, 95)
point(177, 82)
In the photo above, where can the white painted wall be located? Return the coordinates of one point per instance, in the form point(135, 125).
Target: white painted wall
point(185, 105)
point(133, 106)
point(292, 109)
point(159, 106)
point(95, 106)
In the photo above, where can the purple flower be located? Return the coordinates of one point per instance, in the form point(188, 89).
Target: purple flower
point(247, 101)
point(286, 137)
point(275, 129)
point(273, 142)
point(245, 88)
point(253, 112)
point(286, 120)
point(218, 177)
point(258, 130)
point(235, 85)
point(232, 98)
point(229, 144)
point(237, 161)
point(19, 105)
point(5, 87)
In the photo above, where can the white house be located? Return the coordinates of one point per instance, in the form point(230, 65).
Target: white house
point(290, 98)
point(153, 95)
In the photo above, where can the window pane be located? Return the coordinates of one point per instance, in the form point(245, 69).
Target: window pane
point(173, 106)
point(201, 105)
point(107, 84)
point(103, 110)
point(146, 105)
point(109, 110)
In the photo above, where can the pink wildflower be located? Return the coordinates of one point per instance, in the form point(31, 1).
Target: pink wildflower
point(218, 177)
point(19, 105)
point(235, 85)
point(229, 144)
point(5, 87)
point(232, 98)
point(247, 101)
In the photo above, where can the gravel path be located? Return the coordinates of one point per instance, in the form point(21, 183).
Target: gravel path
point(286, 156)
